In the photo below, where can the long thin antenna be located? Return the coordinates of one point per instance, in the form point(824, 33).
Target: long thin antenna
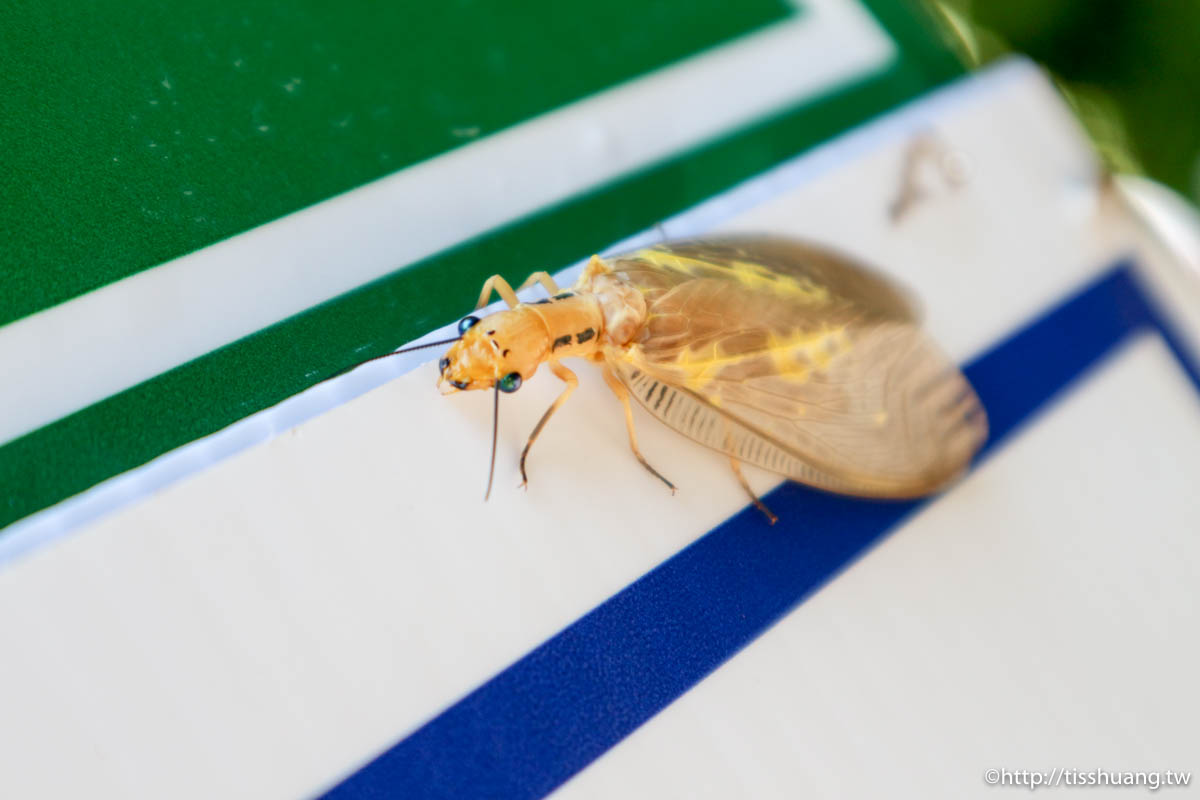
point(389, 355)
point(495, 426)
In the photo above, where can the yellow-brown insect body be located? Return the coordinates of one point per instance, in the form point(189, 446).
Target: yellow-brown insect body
point(777, 353)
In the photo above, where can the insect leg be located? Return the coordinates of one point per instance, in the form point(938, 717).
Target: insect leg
point(544, 279)
point(501, 288)
point(596, 266)
point(622, 394)
point(567, 377)
point(737, 470)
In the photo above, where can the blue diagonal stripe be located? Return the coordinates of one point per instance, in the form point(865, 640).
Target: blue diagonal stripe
point(547, 716)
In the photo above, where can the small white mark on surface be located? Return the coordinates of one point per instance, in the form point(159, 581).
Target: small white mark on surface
point(166, 82)
point(153, 144)
point(466, 132)
point(237, 63)
point(188, 192)
point(153, 102)
point(210, 138)
point(344, 121)
point(291, 86)
point(263, 128)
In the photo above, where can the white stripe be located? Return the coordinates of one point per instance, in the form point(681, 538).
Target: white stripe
point(991, 86)
point(75, 354)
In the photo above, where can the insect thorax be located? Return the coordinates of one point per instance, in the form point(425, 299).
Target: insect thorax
point(621, 305)
point(573, 321)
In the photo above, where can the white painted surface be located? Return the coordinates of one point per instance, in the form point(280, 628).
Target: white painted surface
point(264, 626)
point(1042, 615)
point(72, 355)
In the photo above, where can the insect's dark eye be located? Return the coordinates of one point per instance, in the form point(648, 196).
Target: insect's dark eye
point(443, 364)
point(509, 383)
point(466, 323)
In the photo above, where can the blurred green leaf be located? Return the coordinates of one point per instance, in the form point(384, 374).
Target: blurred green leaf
point(1131, 69)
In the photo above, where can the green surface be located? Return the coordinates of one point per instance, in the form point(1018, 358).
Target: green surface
point(135, 132)
point(1131, 68)
point(203, 396)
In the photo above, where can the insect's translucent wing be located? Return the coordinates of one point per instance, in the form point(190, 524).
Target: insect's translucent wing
point(698, 419)
point(795, 359)
point(808, 276)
